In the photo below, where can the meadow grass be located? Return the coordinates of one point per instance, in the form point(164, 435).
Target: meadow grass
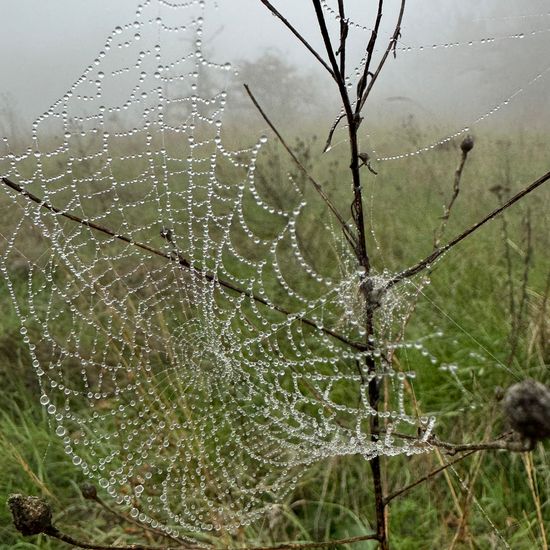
point(467, 302)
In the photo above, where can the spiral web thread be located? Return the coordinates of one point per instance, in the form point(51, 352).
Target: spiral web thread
point(197, 406)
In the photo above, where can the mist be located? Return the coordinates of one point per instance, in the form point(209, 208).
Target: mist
point(47, 45)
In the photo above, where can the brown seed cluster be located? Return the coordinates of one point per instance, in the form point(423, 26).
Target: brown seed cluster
point(31, 515)
point(526, 407)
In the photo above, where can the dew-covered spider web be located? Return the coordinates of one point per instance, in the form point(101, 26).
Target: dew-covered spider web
point(195, 356)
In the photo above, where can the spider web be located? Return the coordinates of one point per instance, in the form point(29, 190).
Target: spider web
point(193, 361)
point(194, 357)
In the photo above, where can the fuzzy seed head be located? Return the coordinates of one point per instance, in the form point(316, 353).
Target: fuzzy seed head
point(31, 515)
point(467, 144)
point(526, 407)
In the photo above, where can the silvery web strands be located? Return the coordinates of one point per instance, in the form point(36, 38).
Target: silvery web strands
point(195, 385)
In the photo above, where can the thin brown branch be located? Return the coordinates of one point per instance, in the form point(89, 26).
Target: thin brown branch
point(295, 32)
point(344, 29)
point(346, 229)
point(422, 479)
point(502, 443)
point(362, 84)
point(428, 260)
point(284, 546)
point(353, 123)
point(519, 446)
point(180, 260)
point(57, 534)
point(310, 545)
point(332, 130)
point(465, 147)
point(391, 46)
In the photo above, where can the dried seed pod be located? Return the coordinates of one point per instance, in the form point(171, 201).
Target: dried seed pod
point(467, 144)
point(526, 407)
point(31, 515)
point(88, 491)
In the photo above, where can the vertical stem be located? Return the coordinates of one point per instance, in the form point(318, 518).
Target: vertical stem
point(354, 120)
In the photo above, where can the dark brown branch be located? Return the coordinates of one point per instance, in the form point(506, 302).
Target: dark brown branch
point(423, 264)
point(293, 30)
point(55, 533)
point(33, 516)
point(391, 46)
point(344, 29)
point(353, 124)
point(421, 480)
point(346, 229)
point(180, 260)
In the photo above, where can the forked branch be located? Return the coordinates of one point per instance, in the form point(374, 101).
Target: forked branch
point(297, 34)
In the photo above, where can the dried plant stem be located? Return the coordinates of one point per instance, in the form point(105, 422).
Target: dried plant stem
point(295, 32)
point(344, 29)
point(391, 46)
point(181, 261)
point(448, 208)
point(422, 479)
point(428, 260)
point(518, 323)
point(531, 473)
point(55, 533)
point(362, 84)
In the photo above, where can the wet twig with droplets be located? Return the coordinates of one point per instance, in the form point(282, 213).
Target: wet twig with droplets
point(178, 258)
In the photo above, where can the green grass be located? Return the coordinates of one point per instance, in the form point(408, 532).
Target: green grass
point(467, 301)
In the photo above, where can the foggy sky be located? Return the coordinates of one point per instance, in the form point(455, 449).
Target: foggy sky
point(47, 44)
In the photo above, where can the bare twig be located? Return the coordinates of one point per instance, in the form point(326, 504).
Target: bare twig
point(310, 545)
point(293, 30)
point(391, 46)
point(339, 118)
point(466, 147)
point(344, 29)
point(56, 534)
point(518, 321)
point(520, 446)
point(428, 260)
point(353, 124)
point(284, 546)
point(180, 260)
point(498, 190)
point(346, 229)
point(362, 84)
point(428, 476)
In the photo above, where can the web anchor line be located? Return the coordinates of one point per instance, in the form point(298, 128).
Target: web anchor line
point(183, 262)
